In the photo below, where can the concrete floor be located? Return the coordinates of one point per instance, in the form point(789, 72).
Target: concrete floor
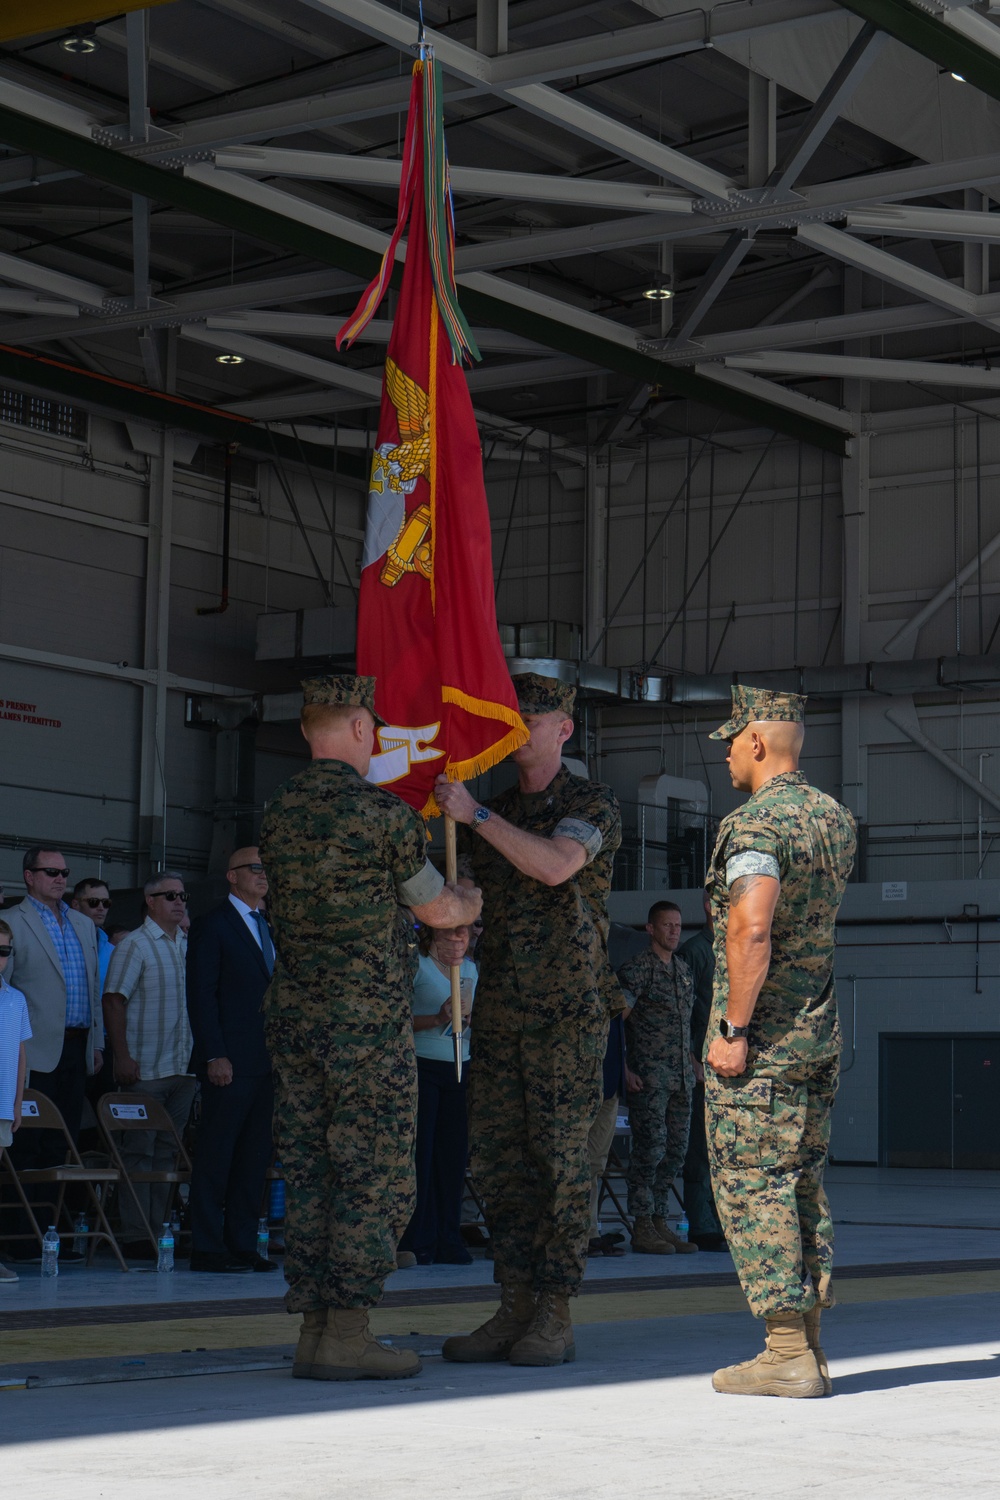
point(914, 1412)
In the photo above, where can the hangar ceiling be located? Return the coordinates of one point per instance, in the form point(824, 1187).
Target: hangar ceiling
point(808, 181)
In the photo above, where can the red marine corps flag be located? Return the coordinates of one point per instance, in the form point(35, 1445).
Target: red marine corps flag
point(427, 626)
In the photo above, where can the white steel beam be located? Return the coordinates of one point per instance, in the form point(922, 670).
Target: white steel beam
point(560, 244)
point(320, 326)
point(904, 716)
point(269, 161)
point(926, 223)
point(861, 367)
point(43, 107)
point(373, 239)
point(714, 281)
point(12, 300)
point(887, 267)
point(27, 273)
point(846, 76)
point(767, 390)
point(342, 377)
point(813, 331)
point(901, 639)
point(570, 114)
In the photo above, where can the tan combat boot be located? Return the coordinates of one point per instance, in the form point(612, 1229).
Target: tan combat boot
point(811, 1320)
point(313, 1323)
point(646, 1241)
point(663, 1229)
point(347, 1351)
point(498, 1335)
point(786, 1368)
point(549, 1340)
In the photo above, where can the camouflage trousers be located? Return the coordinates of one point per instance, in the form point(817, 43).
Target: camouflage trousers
point(345, 1106)
point(660, 1118)
point(533, 1096)
point(768, 1139)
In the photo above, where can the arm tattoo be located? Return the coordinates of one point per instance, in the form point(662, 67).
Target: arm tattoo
point(743, 886)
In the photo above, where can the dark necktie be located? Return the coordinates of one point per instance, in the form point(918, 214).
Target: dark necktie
point(266, 946)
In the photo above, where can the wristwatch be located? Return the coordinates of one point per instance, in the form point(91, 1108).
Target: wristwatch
point(731, 1032)
point(481, 816)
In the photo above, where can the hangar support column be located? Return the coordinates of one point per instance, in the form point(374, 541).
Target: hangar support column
point(152, 832)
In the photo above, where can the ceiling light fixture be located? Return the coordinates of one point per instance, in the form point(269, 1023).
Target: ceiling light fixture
point(229, 359)
point(658, 294)
point(958, 77)
point(81, 42)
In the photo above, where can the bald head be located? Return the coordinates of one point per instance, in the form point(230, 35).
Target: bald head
point(782, 740)
point(765, 748)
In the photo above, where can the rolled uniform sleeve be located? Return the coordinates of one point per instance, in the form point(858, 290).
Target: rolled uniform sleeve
point(415, 878)
point(755, 847)
point(581, 832)
point(422, 888)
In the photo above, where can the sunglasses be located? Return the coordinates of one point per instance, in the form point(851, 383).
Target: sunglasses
point(95, 901)
point(48, 870)
point(6, 949)
point(257, 869)
point(170, 895)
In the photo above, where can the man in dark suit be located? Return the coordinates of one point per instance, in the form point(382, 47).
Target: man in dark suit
point(229, 962)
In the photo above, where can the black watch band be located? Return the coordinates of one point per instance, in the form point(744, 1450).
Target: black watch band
point(731, 1032)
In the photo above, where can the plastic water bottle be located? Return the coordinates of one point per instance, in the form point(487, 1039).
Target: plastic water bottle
point(50, 1252)
point(263, 1239)
point(683, 1226)
point(80, 1231)
point(165, 1250)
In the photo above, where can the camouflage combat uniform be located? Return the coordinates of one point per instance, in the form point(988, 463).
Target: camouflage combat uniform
point(698, 1202)
point(545, 994)
point(340, 853)
point(769, 1128)
point(658, 1038)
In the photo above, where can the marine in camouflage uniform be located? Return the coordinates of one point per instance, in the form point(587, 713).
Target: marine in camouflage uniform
point(657, 1032)
point(545, 995)
point(705, 1229)
point(341, 855)
point(769, 1124)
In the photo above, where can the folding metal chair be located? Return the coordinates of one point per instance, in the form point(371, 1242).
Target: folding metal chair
point(119, 1113)
point(613, 1168)
point(39, 1113)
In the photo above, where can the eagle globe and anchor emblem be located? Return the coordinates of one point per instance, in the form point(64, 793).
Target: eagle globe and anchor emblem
point(406, 542)
point(396, 467)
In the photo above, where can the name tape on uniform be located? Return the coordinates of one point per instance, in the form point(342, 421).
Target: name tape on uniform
point(128, 1112)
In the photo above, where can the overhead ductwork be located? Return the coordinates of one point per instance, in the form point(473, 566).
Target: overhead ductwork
point(874, 678)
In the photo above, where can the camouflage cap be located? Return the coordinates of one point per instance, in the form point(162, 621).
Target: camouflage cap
point(341, 692)
point(543, 695)
point(753, 705)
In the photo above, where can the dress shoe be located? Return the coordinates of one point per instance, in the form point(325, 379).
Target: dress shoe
point(7, 1275)
point(452, 1255)
point(254, 1261)
point(138, 1250)
point(222, 1265)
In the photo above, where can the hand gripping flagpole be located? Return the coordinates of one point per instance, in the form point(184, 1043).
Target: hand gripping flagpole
point(451, 875)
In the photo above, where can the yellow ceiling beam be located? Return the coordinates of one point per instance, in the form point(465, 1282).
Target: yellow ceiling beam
point(20, 18)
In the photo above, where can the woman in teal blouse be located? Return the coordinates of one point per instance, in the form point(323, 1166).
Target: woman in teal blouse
point(434, 1232)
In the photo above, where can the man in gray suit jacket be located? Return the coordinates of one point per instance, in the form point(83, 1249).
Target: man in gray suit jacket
point(55, 964)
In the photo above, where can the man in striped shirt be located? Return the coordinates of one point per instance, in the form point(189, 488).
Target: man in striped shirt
point(145, 1013)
